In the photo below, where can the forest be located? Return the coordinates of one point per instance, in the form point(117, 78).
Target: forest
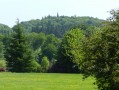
point(45, 36)
point(63, 44)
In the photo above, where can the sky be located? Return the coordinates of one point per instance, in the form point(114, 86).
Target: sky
point(27, 10)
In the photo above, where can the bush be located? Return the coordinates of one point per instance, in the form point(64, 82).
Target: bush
point(45, 64)
point(2, 65)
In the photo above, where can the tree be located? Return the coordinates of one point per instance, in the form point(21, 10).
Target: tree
point(69, 52)
point(1, 47)
point(18, 54)
point(49, 48)
point(36, 39)
point(2, 65)
point(45, 64)
point(50, 51)
point(101, 57)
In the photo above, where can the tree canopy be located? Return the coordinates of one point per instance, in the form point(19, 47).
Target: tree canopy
point(101, 57)
point(58, 25)
point(4, 29)
point(70, 51)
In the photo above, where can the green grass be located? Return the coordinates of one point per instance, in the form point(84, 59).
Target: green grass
point(44, 81)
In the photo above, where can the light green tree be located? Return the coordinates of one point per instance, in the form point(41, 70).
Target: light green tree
point(70, 53)
point(45, 64)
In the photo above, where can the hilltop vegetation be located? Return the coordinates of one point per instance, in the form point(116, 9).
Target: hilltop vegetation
point(4, 29)
point(58, 25)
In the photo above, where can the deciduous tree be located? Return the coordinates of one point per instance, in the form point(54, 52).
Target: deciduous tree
point(69, 53)
point(101, 57)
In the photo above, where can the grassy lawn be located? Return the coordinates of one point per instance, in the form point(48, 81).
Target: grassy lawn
point(44, 81)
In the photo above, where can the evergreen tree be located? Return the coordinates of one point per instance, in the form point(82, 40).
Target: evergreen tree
point(18, 54)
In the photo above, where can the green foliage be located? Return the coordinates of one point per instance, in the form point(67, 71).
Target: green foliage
point(3, 64)
point(36, 39)
point(43, 45)
point(69, 53)
point(1, 50)
point(45, 64)
point(52, 39)
point(19, 56)
point(101, 57)
point(49, 48)
point(59, 25)
point(4, 29)
point(50, 51)
point(39, 39)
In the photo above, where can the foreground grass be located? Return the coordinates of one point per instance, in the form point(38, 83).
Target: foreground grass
point(44, 81)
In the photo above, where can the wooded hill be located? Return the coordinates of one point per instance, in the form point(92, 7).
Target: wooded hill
point(44, 36)
point(4, 29)
point(58, 25)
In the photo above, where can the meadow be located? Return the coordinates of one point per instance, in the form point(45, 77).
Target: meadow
point(45, 81)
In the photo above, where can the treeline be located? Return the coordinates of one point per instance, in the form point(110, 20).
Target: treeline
point(87, 47)
point(58, 25)
point(41, 47)
point(4, 29)
point(44, 36)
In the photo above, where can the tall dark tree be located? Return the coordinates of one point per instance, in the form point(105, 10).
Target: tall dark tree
point(18, 54)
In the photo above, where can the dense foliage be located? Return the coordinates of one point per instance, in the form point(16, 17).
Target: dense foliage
point(18, 54)
point(64, 44)
point(101, 57)
point(69, 52)
point(40, 39)
point(44, 46)
point(4, 29)
point(58, 25)
point(45, 64)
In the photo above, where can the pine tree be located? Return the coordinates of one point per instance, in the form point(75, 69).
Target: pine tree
point(18, 54)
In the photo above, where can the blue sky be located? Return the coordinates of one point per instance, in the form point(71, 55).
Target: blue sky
point(26, 10)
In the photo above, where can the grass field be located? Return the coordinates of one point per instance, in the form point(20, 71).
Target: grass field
point(44, 81)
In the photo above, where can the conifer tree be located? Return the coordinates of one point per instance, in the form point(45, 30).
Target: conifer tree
point(18, 54)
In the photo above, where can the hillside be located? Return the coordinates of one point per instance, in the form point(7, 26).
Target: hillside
point(4, 29)
point(58, 25)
